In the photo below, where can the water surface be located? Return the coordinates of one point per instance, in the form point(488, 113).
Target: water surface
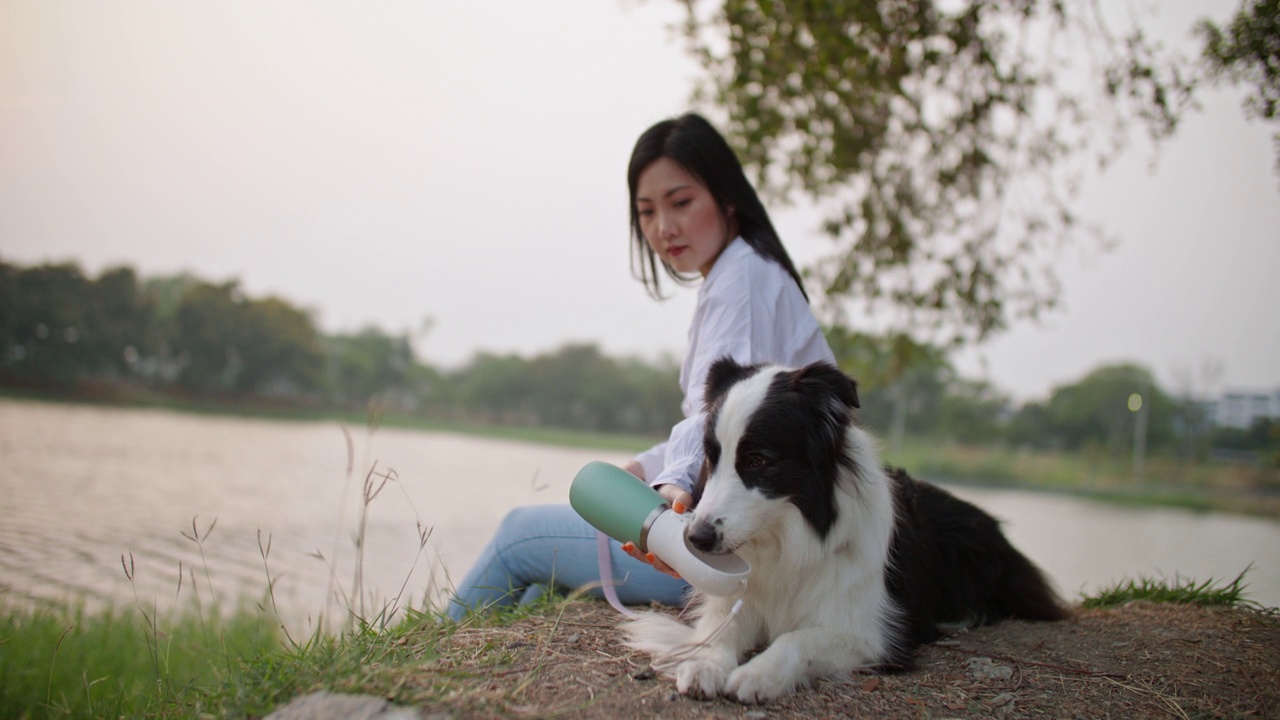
point(82, 486)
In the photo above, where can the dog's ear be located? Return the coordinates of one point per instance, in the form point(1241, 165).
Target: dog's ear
point(722, 375)
point(829, 380)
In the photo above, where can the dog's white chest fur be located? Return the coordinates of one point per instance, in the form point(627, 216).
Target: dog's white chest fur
point(796, 602)
point(795, 487)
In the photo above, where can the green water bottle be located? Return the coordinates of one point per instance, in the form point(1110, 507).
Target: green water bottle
point(616, 502)
point(626, 509)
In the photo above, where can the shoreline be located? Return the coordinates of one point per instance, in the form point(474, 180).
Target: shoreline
point(564, 657)
point(1264, 503)
point(1140, 660)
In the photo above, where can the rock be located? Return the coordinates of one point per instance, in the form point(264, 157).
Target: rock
point(983, 668)
point(335, 706)
point(1001, 700)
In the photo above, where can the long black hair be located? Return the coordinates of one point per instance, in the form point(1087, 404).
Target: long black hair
point(693, 144)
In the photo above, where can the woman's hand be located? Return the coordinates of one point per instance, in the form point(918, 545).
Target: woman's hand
point(680, 501)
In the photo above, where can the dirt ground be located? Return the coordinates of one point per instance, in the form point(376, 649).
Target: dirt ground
point(1139, 661)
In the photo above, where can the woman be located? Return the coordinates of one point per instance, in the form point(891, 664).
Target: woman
point(695, 215)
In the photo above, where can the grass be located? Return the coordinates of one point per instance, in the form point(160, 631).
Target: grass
point(1167, 481)
point(1182, 591)
point(72, 664)
point(361, 659)
point(199, 661)
point(58, 662)
point(66, 662)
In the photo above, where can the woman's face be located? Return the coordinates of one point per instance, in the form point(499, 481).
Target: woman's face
point(679, 218)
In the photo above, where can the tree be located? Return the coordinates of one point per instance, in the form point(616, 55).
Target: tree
point(206, 329)
point(936, 137)
point(46, 323)
point(973, 411)
point(900, 381)
point(577, 386)
point(8, 315)
point(368, 364)
point(1258, 436)
point(653, 397)
point(1247, 51)
point(279, 349)
point(227, 343)
point(119, 324)
point(493, 388)
point(1100, 410)
point(878, 361)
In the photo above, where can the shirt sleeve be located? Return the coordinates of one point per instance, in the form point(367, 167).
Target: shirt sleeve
point(735, 324)
point(683, 457)
point(652, 460)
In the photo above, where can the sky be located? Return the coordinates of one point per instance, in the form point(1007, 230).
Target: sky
point(456, 170)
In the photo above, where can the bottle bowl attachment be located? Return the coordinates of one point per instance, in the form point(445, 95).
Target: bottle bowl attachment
point(627, 510)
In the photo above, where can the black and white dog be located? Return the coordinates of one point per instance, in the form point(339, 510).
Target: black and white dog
point(853, 565)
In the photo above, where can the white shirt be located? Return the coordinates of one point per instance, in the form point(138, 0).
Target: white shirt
point(749, 308)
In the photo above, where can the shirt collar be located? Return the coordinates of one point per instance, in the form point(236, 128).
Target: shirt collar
point(737, 247)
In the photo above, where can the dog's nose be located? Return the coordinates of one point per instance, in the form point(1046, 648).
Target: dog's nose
point(703, 536)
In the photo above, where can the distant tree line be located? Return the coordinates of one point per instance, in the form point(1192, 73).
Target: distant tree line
point(120, 336)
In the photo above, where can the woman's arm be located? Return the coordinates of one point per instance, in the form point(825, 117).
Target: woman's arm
point(728, 325)
point(648, 463)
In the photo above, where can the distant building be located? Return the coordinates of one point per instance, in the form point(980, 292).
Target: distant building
point(1239, 409)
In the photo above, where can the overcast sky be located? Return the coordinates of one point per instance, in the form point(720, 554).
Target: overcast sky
point(382, 163)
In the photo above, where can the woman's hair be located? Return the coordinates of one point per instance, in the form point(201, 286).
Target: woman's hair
point(693, 144)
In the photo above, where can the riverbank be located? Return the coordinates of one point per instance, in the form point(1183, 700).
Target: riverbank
point(1165, 481)
point(372, 416)
point(563, 658)
point(1142, 660)
point(384, 656)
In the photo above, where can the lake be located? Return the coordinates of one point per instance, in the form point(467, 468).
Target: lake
point(83, 487)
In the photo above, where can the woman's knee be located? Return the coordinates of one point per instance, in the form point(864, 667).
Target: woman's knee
point(521, 522)
point(535, 521)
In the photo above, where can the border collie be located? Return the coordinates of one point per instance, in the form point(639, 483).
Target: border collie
point(854, 565)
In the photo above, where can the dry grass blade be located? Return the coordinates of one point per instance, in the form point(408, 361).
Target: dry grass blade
point(1143, 688)
point(265, 552)
point(198, 539)
point(49, 692)
point(351, 449)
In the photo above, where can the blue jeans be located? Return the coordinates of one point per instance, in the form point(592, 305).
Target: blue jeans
point(543, 546)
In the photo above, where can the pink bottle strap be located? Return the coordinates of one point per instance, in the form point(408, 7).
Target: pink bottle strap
point(607, 583)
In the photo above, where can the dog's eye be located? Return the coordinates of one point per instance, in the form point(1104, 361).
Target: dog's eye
point(755, 462)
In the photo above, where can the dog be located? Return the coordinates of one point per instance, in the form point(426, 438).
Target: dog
point(854, 565)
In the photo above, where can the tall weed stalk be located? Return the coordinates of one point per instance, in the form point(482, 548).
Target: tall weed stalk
point(201, 661)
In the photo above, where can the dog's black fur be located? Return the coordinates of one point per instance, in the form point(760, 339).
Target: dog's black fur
point(951, 565)
point(853, 564)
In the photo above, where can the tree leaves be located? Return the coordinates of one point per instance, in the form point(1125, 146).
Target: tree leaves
point(937, 137)
point(1247, 51)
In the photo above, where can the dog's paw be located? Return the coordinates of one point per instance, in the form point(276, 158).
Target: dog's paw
point(701, 678)
point(752, 685)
